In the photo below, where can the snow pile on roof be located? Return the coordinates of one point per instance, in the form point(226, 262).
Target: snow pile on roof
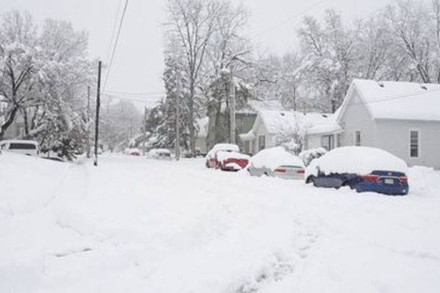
point(400, 100)
point(358, 160)
point(223, 147)
point(203, 127)
point(224, 155)
point(319, 123)
point(226, 147)
point(277, 121)
point(275, 157)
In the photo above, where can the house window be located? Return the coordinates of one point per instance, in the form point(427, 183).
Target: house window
point(327, 142)
point(357, 138)
point(338, 140)
point(261, 142)
point(414, 143)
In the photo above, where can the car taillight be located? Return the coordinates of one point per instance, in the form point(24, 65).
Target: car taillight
point(403, 179)
point(280, 170)
point(370, 177)
point(300, 171)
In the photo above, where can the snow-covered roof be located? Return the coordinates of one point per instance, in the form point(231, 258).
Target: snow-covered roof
point(321, 123)
point(274, 121)
point(397, 100)
point(20, 141)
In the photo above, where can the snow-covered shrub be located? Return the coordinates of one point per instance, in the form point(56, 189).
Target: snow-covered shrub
point(309, 155)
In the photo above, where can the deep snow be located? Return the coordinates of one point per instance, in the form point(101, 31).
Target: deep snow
point(138, 225)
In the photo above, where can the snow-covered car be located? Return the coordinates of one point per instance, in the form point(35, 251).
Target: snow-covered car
point(231, 160)
point(211, 159)
point(160, 154)
point(26, 147)
point(133, 152)
point(276, 162)
point(360, 168)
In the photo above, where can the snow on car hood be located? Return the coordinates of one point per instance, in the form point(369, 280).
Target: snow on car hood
point(356, 159)
point(275, 157)
point(221, 156)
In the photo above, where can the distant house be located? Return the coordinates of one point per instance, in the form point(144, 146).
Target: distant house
point(269, 125)
point(400, 117)
point(272, 128)
point(323, 131)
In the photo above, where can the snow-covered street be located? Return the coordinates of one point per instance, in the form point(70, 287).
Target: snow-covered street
point(138, 225)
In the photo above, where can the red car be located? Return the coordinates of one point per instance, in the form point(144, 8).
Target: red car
point(226, 157)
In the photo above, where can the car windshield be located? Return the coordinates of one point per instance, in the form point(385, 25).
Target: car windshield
point(22, 146)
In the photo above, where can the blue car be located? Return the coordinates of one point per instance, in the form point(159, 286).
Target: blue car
point(386, 182)
point(360, 168)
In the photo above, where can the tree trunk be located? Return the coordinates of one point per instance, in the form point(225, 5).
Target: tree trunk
point(192, 139)
point(26, 123)
point(9, 121)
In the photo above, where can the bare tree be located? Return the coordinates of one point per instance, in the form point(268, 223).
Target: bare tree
point(17, 65)
point(410, 29)
point(193, 22)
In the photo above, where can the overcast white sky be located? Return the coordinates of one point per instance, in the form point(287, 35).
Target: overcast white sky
point(138, 63)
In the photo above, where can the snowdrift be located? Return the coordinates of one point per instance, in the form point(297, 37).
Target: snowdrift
point(358, 160)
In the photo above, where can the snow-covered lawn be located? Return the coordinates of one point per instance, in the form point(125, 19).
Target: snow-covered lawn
point(138, 225)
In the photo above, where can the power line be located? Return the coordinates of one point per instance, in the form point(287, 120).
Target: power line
point(134, 94)
point(115, 44)
point(290, 18)
point(115, 20)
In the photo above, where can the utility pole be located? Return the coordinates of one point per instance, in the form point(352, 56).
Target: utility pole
point(232, 108)
point(88, 122)
point(177, 143)
point(98, 104)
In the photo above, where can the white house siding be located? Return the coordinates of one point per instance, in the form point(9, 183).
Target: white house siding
point(357, 118)
point(313, 141)
point(393, 136)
